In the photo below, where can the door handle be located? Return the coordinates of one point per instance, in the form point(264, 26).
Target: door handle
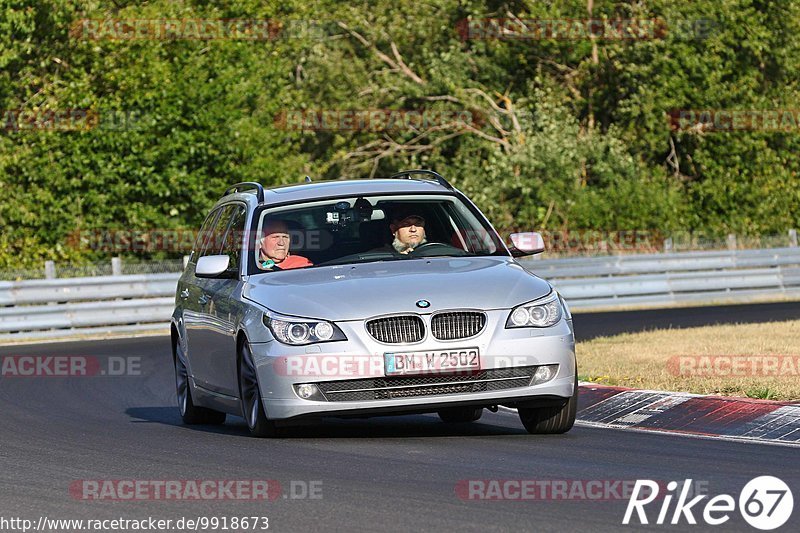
point(203, 300)
point(184, 294)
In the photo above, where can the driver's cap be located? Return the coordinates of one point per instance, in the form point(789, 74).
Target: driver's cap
point(406, 215)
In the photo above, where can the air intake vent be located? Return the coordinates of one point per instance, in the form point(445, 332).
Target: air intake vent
point(361, 390)
point(457, 325)
point(403, 329)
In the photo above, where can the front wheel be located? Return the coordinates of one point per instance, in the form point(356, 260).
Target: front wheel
point(190, 413)
point(250, 394)
point(551, 419)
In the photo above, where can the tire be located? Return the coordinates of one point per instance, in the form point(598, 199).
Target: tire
point(190, 413)
point(250, 395)
point(551, 419)
point(460, 414)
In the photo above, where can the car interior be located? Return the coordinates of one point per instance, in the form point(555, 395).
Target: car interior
point(327, 232)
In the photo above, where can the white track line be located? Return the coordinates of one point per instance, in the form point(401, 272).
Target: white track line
point(744, 440)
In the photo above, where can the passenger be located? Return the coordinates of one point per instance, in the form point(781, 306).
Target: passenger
point(274, 249)
point(408, 231)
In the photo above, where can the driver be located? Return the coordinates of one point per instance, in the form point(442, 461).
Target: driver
point(274, 248)
point(408, 231)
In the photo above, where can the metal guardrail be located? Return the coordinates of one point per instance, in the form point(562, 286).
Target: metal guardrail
point(664, 279)
point(60, 307)
point(663, 262)
point(94, 288)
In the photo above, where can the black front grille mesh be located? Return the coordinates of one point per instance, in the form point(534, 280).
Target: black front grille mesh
point(402, 329)
point(354, 390)
point(457, 325)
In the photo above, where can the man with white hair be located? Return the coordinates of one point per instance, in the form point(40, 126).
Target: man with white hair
point(274, 248)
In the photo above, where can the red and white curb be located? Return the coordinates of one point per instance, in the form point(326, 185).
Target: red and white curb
point(728, 418)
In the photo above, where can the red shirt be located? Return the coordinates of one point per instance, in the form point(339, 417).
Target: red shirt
point(292, 261)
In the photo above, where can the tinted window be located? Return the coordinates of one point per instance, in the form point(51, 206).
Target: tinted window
point(232, 245)
point(203, 234)
point(216, 234)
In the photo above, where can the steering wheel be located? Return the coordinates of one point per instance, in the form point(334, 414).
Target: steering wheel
point(427, 245)
point(439, 247)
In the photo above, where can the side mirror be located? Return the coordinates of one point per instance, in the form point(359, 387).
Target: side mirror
point(528, 243)
point(212, 266)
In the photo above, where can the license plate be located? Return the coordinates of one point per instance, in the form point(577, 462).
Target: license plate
point(441, 361)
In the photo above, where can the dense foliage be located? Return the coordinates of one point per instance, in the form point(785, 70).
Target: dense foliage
point(565, 133)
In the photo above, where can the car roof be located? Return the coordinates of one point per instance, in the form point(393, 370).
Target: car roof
point(357, 187)
point(320, 190)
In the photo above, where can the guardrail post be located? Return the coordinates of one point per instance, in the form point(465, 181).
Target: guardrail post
point(668, 245)
point(49, 270)
point(185, 260)
point(793, 238)
point(116, 266)
point(731, 241)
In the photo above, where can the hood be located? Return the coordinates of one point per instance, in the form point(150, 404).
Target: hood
point(359, 291)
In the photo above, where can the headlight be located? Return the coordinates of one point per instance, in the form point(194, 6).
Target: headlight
point(541, 314)
point(298, 331)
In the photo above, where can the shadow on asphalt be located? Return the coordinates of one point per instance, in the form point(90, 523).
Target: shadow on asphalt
point(380, 427)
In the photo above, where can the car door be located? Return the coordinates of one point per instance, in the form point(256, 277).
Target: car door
point(189, 290)
point(223, 309)
point(200, 322)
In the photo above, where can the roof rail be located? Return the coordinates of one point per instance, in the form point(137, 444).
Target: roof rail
point(409, 174)
point(247, 186)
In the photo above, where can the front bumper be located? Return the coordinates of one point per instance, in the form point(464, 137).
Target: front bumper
point(280, 367)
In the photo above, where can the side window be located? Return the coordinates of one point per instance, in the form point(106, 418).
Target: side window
point(202, 235)
point(216, 234)
point(474, 236)
point(232, 245)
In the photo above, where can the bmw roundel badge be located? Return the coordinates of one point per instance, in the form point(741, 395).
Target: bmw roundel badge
point(424, 304)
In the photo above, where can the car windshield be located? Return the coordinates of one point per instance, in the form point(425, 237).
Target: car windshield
point(370, 228)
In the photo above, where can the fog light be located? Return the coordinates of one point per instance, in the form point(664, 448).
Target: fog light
point(306, 390)
point(544, 373)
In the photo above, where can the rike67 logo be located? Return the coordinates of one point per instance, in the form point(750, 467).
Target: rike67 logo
point(765, 503)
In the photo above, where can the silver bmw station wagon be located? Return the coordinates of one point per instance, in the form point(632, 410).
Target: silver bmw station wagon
point(366, 298)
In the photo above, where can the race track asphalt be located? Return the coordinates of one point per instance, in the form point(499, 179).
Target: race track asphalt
point(381, 474)
point(591, 325)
